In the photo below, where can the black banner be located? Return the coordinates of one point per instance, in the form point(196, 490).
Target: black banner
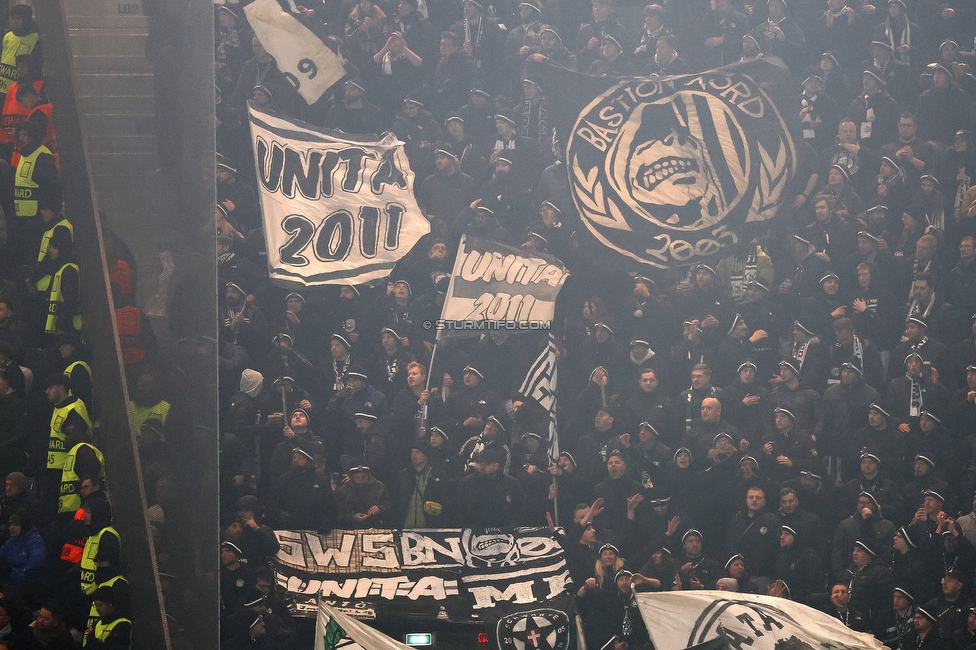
point(675, 170)
point(447, 574)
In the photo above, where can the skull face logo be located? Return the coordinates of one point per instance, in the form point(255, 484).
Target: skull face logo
point(663, 160)
point(490, 549)
point(670, 171)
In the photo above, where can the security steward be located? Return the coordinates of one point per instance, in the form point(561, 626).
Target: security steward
point(114, 629)
point(35, 174)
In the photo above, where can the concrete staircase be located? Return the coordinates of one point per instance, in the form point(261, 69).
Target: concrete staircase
point(114, 82)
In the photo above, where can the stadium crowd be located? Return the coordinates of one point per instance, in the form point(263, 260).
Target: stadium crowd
point(61, 574)
point(797, 419)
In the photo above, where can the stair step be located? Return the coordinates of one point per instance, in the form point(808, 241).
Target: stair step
point(117, 103)
point(121, 143)
point(121, 124)
point(98, 85)
point(85, 42)
point(111, 63)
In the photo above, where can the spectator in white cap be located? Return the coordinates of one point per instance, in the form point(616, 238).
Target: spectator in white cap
point(874, 102)
point(789, 449)
point(798, 565)
point(881, 439)
point(613, 60)
point(532, 115)
point(363, 501)
point(481, 37)
point(866, 525)
point(872, 478)
point(300, 498)
point(909, 565)
point(552, 49)
point(470, 404)
point(522, 38)
point(387, 367)
point(871, 581)
point(419, 130)
point(493, 437)
point(927, 478)
point(447, 191)
point(589, 38)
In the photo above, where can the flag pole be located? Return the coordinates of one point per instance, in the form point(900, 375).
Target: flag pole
point(553, 436)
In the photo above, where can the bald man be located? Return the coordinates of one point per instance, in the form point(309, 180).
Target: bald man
point(701, 439)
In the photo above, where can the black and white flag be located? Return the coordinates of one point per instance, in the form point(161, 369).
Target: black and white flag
point(336, 208)
point(672, 171)
point(304, 60)
point(684, 619)
point(540, 385)
point(499, 287)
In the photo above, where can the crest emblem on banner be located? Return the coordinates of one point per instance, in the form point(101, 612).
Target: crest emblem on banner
point(668, 171)
point(539, 629)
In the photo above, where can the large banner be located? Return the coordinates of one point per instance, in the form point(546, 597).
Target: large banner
point(337, 209)
point(302, 57)
point(500, 287)
point(675, 170)
point(424, 574)
point(682, 619)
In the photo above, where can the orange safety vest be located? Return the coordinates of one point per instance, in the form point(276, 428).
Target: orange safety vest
point(129, 321)
point(50, 140)
point(13, 111)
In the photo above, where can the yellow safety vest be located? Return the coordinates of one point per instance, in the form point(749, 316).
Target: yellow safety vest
point(44, 283)
point(57, 298)
point(102, 631)
point(56, 452)
point(77, 364)
point(14, 46)
point(140, 414)
point(93, 617)
point(25, 196)
point(88, 565)
point(70, 499)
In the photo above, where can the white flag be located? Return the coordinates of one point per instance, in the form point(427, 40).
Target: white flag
point(681, 619)
point(337, 209)
point(334, 630)
point(310, 66)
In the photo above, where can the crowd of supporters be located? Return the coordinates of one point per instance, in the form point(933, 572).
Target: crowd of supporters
point(61, 573)
point(797, 419)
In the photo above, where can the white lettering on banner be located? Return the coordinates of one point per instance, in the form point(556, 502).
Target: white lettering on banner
point(323, 557)
point(496, 283)
point(336, 209)
point(492, 265)
point(291, 551)
point(379, 551)
point(385, 588)
point(557, 584)
point(535, 547)
point(487, 596)
point(419, 550)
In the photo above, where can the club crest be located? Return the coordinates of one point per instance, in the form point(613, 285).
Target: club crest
point(670, 171)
